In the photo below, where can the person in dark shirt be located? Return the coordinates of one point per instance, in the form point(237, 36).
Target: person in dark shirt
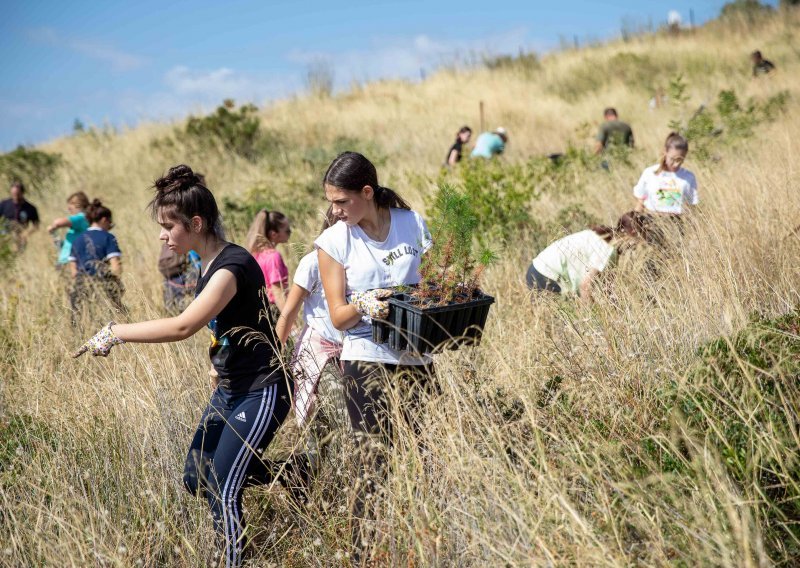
point(252, 397)
point(613, 131)
point(95, 262)
point(18, 216)
point(761, 66)
point(456, 150)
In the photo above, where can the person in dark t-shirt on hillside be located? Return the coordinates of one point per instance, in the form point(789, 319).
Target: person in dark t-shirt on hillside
point(761, 66)
point(18, 216)
point(252, 398)
point(613, 132)
point(457, 149)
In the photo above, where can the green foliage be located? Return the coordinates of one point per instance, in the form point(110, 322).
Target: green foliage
point(527, 64)
point(20, 435)
point(634, 70)
point(742, 398)
point(749, 9)
point(449, 269)
point(319, 157)
point(568, 220)
point(32, 167)
point(6, 250)
point(293, 199)
point(728, 122)
point(235, 130)
point(499, 194)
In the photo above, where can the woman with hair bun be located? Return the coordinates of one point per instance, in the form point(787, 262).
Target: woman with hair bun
point(252, 396)
point(96, 261)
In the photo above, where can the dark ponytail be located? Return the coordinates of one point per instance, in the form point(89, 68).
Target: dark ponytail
point(96, 211)
point(351, 171)
point(182, 194)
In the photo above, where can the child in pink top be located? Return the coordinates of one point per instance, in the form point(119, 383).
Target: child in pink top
point(270, 228)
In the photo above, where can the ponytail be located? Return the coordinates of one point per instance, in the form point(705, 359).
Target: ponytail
point(351, 171)
point(258, 234)
point(96, 211)
point(676, 141)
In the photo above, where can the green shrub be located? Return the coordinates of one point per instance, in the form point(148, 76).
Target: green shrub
point(235, 130)
point(727, 123)
point(32, 167)
point(319, 157)
point(742, 397)
point(527, 64)
point(293, 199)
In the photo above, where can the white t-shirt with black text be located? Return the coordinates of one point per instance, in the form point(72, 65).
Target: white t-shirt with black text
point(315, 309)
point(370, 264)
point(666, 192)
point(569, 259)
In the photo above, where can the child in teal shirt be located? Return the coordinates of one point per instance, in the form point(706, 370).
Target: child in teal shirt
point(76, 221)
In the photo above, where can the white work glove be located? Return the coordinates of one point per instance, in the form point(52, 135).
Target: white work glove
point(101, 343)
point(372, 303)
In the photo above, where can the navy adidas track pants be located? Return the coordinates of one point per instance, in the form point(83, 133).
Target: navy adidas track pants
point(225, 455)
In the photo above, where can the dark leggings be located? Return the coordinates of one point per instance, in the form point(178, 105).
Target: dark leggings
point(365, 387)
point(224, 455)
point(537, 280)
point(365, 390)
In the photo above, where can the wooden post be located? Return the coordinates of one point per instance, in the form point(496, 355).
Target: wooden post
point(691, 18)
point(483, 129)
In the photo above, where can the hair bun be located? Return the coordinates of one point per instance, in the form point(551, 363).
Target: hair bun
point(96, 203)
point(178, 178)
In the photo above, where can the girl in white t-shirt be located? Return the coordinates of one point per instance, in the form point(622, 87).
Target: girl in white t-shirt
point(570, 264)
point(376, 244)
point(318, 343)
point(667, 188)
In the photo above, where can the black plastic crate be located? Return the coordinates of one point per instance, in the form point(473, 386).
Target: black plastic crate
point(424, 330)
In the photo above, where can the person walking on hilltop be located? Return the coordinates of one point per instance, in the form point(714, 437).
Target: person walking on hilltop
point(252, 397)
point(490, 144)
point(377, 244)
point(613, 132)
point(96, 263)
point(18, 216)
point(76, 222)
point(456, 151)
point(761, 66)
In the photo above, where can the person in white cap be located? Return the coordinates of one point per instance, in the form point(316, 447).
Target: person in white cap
point(490, 144)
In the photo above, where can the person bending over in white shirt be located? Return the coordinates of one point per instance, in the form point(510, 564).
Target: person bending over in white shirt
point(570, 264)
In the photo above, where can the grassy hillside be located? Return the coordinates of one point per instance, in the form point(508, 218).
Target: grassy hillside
point(658, 427)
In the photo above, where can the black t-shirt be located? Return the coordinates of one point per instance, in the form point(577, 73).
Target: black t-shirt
point(458, 146)
point(22, 213)
point(243, 361)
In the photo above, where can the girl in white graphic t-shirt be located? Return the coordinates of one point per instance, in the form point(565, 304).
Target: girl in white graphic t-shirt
point(667, 188)
point(377, 244)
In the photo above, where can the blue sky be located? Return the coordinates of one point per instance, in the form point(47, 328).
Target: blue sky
point(122, 62)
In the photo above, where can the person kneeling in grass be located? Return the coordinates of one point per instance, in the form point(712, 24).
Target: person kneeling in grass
point(252, 398)
point(570, 264)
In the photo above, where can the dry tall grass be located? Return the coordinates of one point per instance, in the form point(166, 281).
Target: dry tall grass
point(533, 455)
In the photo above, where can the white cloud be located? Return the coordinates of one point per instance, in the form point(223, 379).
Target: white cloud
point(189, 90)
point(118, 60)
point(406, 57)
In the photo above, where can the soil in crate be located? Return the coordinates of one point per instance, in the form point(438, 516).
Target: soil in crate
point(424, 329)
